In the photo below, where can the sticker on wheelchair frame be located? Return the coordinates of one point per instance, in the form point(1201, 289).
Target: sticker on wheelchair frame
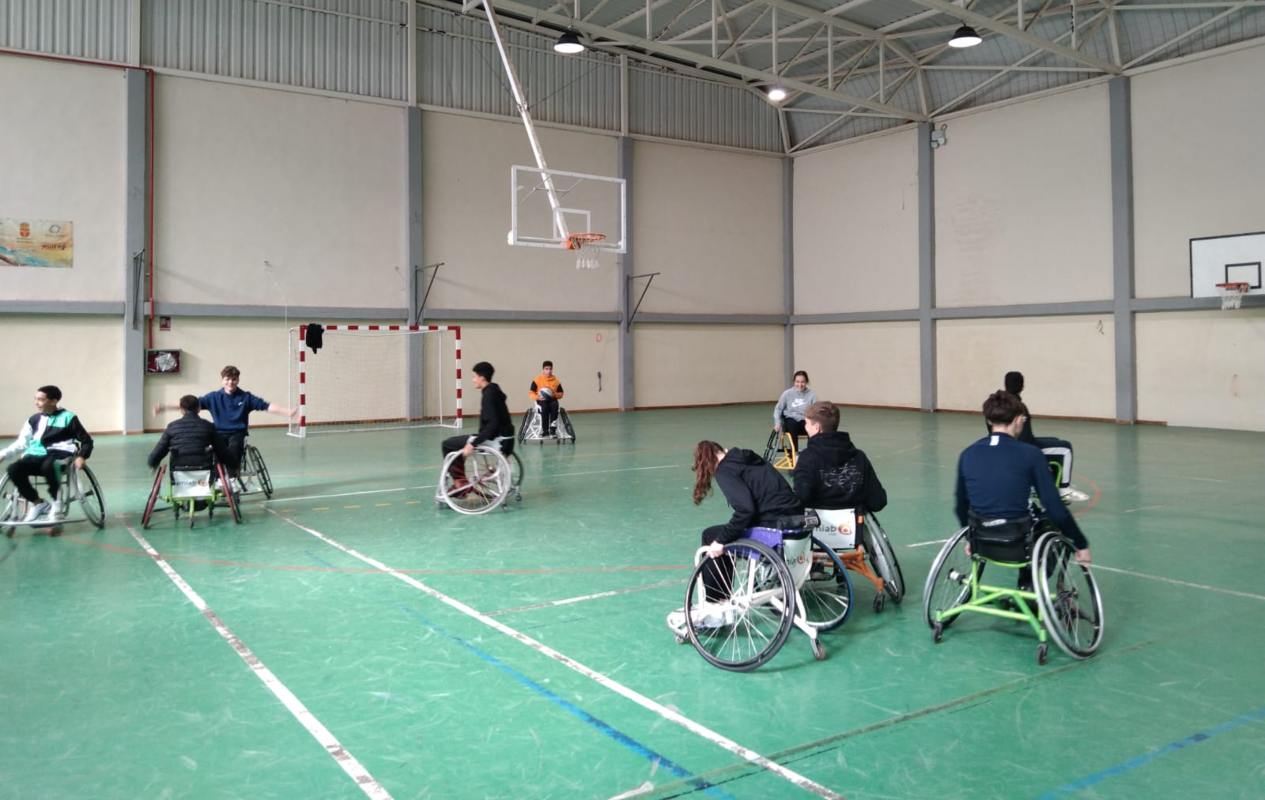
point(838, 528)
point(191, 484)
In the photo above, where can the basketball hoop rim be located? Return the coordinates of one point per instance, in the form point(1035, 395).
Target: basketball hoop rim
point(578, 241)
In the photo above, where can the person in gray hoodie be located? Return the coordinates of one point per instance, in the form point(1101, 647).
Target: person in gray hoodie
point(788, 414)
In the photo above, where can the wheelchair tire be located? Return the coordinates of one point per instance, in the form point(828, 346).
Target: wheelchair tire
point(11, 504)
point(528, 416)
point(256, 467)
point(516, 476)
point(153, 496)
point(564, 419)
point(826, 591)
point(91, 500)
point(753, 623)
point(230, 497)
point(1071, 605)
point(948, 582)
point(488, 482)
point(883, 559)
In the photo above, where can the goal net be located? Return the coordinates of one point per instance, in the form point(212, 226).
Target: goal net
point(375, 377)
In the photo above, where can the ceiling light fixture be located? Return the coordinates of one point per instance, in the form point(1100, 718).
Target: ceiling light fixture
point(568, 44)
point(965, 36)
point(777, 93)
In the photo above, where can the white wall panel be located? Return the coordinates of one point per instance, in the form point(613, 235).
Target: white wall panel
point(1203, 368)
point(702, 364)
point(252, 177)
point(866, 363)
point(1023, 203)
point(1197, 162)
point(466, 216)
point(711, 222)
point(64, 161)
point(856, 227)
point(1068, 363)
point(84, 365)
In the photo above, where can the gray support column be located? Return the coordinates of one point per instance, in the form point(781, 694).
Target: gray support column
point(788, 263)
point(926, 269)
point(1120, 111)
point(627, 359)
point(134, 257)
point(415, 394)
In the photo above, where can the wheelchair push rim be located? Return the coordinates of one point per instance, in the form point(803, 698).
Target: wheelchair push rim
point(757, 617)
point(826, 592)
point(948, 582)
point(488, 482)
point(1071, 605)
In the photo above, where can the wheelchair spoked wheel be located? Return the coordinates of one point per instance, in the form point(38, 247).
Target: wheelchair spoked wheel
point(747, 628)
point(487, 482)
point(12, 506)
point(529, 416)
point(153, 496)
point(826, 591)
point(564, 419)
point(1071, 605)
point(883, 559)
point(516, 476)
point(230, 497)
point(256, 468)
point(948, 583)
point(86, 489)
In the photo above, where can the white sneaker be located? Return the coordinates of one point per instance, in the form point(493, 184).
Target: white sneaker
point(58, 514)
point(1070, 494)
point(706, 617)
point(36, 511)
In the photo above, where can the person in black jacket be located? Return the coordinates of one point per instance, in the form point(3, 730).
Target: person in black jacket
point(494, 423)
point(1055, 449)
point(191, 441)
point(758, 495)
point(831, 472)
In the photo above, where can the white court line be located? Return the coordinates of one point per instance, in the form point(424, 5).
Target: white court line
point(354, 769)
point(1176, 582)
point(432, 486)
point(640, 699)
point(582, 598)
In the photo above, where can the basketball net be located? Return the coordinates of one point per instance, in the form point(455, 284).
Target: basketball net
point(585, 245)
point(1232, 295)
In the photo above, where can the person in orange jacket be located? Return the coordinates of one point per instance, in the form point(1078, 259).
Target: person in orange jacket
point(546, 390)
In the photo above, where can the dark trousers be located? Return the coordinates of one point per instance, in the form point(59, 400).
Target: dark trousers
point(454, 443)
point(1058, 450)
point(718, 573)
point(548, 414)
point(795, 427)
point(21, 471)
point(236, 442)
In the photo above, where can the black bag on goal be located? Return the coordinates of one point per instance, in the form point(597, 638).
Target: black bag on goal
point(315, 338)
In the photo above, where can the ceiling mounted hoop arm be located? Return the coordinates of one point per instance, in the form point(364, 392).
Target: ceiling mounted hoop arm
point(650, 279)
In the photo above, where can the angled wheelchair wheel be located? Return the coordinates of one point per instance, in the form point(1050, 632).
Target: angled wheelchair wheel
point(153, 496)
point(516, 476)
point(531, 417)
point(826, 591)
point(255, 468)
point(86, 489)
point(564, 420)
point(771, 446)
point(230, 497)
point(744, 630)
point(883, 559)
point(949, 581)
point(486, 485)
point(1071, 604)
point(12, 506)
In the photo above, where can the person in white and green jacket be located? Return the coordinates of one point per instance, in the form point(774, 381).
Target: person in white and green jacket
point(47, 438)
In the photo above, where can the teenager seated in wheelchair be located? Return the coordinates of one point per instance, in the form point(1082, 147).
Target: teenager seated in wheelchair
point(200, 461)
point(838, 482)
point(1054, 591)
point(496, 428)
point(48, 441)
point(1058, 452)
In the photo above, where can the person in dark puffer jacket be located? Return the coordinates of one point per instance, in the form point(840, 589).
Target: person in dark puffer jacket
point(191, 440)
point(831, 472)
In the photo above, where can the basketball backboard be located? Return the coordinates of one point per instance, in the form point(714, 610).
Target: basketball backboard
point(1226, 259)
point(585, 204)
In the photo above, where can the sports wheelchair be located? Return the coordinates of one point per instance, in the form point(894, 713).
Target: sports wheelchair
point(781, 450)
point(491, 477)
point(855, 535)
point(532, 427)
point(774, 583)
point(1068, 606)
point(190, 491)
point(252, 475)
point(77, 484)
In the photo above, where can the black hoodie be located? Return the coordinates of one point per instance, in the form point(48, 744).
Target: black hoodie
point(755, 491)
point(831, 472)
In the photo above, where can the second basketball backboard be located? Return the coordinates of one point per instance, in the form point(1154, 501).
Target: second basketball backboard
point(548, 205)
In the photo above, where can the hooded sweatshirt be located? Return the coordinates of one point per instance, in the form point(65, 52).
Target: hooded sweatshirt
point(832, 473)
point(793, 403)
point(755, 491)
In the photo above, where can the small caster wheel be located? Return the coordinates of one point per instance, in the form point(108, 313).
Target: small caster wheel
point(679, 638)
point(1043, 653)
point(879, 601)
point(937, 632)
point(819, 650)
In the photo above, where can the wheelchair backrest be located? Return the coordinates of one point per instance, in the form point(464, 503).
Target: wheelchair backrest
point(1007, 540)
point(187, 483)
point(838, 528)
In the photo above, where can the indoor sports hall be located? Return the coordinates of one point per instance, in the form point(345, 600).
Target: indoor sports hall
point(362, 205)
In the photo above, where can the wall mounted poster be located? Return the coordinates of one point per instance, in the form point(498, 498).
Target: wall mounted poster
point(36, 243)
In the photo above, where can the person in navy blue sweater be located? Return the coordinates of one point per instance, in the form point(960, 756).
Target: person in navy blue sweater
point(230, 409)
point(996, 475)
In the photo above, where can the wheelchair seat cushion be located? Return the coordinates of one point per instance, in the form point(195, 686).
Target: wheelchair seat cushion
point(1001, 539)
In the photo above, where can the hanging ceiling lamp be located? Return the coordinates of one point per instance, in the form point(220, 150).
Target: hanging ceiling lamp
point(965, 36)
point(568, 44)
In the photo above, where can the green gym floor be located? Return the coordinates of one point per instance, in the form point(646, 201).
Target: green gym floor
point(349, 639)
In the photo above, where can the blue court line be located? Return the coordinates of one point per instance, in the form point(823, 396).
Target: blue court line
point(577, 712)
point(1172, 747)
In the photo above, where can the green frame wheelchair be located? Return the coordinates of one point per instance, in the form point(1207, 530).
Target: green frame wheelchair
point(190, 491)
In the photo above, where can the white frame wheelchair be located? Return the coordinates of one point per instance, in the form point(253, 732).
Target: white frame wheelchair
point(1068, 604)
point(532, 428)
point(856, 535)
point(190, 491)
point(252, 474)
point(776, 583)
point(491, 477)
point(78, 484)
